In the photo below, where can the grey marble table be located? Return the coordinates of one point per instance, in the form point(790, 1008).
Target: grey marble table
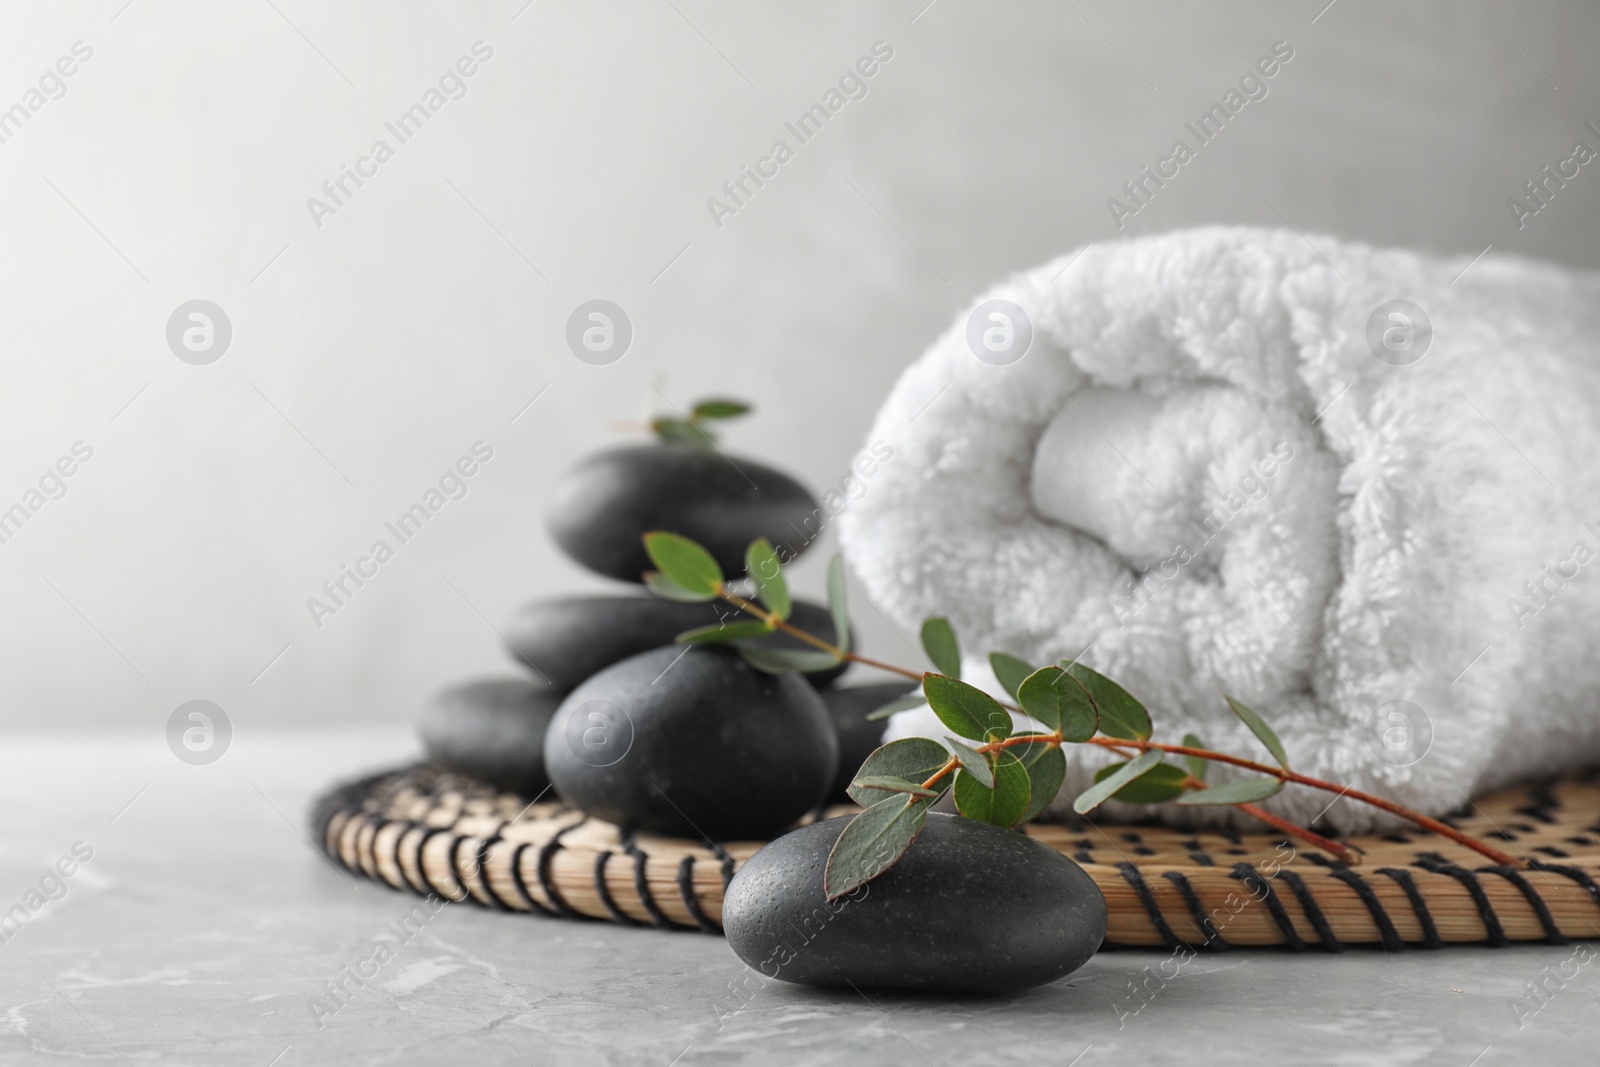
point(204, 929)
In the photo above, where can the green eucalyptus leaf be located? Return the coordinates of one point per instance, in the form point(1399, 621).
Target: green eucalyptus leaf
point(1045, 775)
point(667, 589)
point(913, 759)
point(719, 633)
point(762, 565)
point(1247, 791)
point(911, 700)
point(972, 761)
point(1005, 803)
point(1060, 702)
point(889, 783)
point(838, 602)
point(939, 642)
point(872, 843)
point(1120, 714)
point(1010, 671)
point(719, 409)
point(680, 431)
point(1259, 727)
point(1159, 784)
point(1124, 773)
point(1197, 766)
point(684, 562)
point(787, 660)
point(965, 709)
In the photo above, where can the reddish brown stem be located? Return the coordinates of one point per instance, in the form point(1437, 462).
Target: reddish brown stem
point(949, 766)
point(1350, 857)
point(1392, 808)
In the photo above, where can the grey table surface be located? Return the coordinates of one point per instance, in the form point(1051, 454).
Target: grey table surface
point(204, 929)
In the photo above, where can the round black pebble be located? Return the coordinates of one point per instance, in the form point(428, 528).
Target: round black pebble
point(693, 742)
point(493, 731)
point(567, 640)
point(970, 908)
point(604, 505)
point(858, 738)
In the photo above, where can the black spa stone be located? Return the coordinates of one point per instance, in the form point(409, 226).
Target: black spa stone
point(692, 742)
point(568, 639)
point(604, 505)
point(492, 730)
point(858, 738)
point(970, 908)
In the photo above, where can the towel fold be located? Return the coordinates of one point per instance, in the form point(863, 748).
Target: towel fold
point(1355, 488)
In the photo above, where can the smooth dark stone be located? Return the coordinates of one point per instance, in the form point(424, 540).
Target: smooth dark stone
point(970, 908)
point(858, 738)
point(604, 505)
point(493, 731)
point(693, 742)
point(569, 639)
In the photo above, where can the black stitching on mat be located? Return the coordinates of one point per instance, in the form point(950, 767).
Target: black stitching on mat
point(405, 875)
point(1131, 875)
point(406, 826)
point(455, 872)
point(422, 866)
point(641, 884)
point(1552, 932)
point(483, 871)
point(604, 891)
point(547, 852)
point(522, 886)
point(350, 830)
point(1437, 864)
point(1328, 940)
point(366, 856)
point(690, 901)
point(1202, 921)
point(1419, 907)
point(347, 799)
point(1262, 890)
point(382, 824)
point(1575, 873)
point(1386, 931)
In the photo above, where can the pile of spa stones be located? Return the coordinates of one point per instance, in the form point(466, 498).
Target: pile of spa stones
point(691, 741)
point(632, 728)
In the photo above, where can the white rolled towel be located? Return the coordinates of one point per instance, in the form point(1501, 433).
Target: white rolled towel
point(1229, 461)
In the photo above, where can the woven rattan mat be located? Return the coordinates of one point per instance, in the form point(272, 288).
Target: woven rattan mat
point(431, 832)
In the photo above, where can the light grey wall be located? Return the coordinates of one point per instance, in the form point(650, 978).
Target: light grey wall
point(371, 351)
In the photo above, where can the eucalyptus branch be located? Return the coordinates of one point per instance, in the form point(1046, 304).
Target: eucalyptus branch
point(1285, 775)
point(1348, 855)
point(997, 774)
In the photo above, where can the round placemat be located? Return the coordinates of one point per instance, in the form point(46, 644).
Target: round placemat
point(429, 831)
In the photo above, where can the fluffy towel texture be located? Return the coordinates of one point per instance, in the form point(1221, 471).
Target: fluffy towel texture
point(1201, 479)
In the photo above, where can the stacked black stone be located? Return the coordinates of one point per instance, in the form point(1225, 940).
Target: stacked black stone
point(628, 725)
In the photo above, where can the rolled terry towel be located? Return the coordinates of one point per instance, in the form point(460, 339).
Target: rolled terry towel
point(1235, 460)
